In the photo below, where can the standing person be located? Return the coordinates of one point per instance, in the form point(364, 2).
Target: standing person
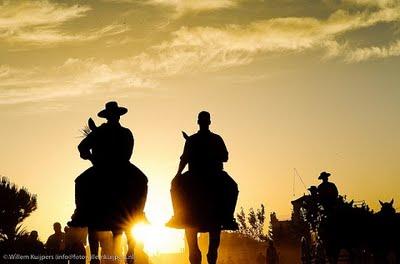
point(34, 246)
point(204, 197)
point(75, 241)
point(55, 244)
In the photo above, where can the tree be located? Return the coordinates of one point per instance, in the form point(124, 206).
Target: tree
point(16, 204)
point(252, 224)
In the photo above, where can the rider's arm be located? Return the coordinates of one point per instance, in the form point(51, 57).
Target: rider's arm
point(128, 146)
point(223, 151)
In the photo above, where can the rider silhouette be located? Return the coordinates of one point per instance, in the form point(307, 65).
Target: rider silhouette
point(110, 196)
point(204, 151)
point(111, 145)
point(327, 191)
point(204, 197)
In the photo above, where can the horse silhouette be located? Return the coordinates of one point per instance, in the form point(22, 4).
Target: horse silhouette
point(387, 209)
point(386, 233)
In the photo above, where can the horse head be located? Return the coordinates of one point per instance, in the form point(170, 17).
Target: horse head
point(387, 208)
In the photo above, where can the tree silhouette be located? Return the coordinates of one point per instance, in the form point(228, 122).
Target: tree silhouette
point(16, 204)
point(252, 224)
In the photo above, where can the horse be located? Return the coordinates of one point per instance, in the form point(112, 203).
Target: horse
point(113, 206)
point(386, 234)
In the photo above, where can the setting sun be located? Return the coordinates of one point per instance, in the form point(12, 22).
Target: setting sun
point(155, 237)
point(158, 239)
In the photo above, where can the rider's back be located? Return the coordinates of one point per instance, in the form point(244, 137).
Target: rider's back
point(205, 152)
point(111, 145)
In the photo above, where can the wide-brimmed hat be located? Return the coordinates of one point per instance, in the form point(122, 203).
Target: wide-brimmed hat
point(112, 109)
point(324, 175)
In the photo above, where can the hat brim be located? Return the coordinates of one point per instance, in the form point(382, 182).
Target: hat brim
point(117, 112)
point(323, 176)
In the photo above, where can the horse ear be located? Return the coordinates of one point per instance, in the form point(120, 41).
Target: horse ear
point(392, 201)
point(92, 124)
point(381, 202)
point(185, 136)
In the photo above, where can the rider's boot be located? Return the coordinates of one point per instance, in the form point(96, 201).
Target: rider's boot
point(176, 222)
point(78, 219)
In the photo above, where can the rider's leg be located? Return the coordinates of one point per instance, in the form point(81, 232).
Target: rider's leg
point(131, 247)
point(94, 247)
point(214, 240)
point(194, 251)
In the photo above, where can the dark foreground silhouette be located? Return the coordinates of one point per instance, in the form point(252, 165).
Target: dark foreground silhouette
point(110, 196)
point(204, 198)
point(333, 230)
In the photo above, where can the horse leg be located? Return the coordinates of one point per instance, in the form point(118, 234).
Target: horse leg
point(116, 244)
point(94, 247)
point(213, 245)
point(194, 251)
point(131, 247)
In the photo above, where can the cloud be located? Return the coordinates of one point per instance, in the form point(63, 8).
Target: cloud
point(182, 6)
point(363, 54)
point(18, 15)
point(372, 3)
point(39, 23)
point(46, 36)
point(187, 49)
point(75, 77)
point(215, 48)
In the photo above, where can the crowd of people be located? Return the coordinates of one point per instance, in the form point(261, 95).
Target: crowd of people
point(60, 247)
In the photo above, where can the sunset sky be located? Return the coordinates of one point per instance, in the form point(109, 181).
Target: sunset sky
point(305, 84)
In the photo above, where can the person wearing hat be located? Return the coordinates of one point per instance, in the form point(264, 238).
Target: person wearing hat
point(110, 144)
point(327, 191)
point(112, 193)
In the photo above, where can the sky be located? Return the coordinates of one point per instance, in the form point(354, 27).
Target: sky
point(292, 85)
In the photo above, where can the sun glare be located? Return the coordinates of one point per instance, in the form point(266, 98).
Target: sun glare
point(157, 238)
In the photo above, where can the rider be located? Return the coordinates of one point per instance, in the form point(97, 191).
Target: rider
point(108, 147)
point(111, 145)
point(109, 192)
point(327, 191)
point(205, 153)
